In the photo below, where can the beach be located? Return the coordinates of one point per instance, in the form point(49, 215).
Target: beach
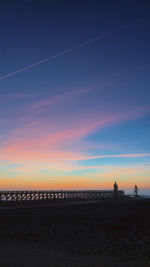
point(109, 233)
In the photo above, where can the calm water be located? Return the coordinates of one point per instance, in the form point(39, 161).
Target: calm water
point(145, 196)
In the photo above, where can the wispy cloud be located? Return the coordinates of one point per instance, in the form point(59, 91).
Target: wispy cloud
point(47, 141)
point(44, 105)
point(137, 155)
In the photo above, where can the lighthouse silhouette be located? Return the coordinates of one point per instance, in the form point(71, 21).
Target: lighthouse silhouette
point(115, 189)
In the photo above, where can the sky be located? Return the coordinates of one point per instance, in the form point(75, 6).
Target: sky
point(74, 94)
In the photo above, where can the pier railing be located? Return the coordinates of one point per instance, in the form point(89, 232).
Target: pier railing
point(62, 194)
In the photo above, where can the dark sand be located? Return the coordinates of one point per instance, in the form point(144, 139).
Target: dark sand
point(113, 233)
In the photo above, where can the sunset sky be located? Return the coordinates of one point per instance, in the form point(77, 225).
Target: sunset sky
point(74, 94)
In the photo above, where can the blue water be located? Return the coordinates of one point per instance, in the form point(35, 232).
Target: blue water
point(145, 196)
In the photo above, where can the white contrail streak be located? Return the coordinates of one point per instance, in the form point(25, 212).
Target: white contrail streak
point(69, 50)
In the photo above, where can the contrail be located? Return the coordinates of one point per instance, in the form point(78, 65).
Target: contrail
point(70, 49)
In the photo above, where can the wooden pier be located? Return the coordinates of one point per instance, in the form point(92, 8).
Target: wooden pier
point(62, 194)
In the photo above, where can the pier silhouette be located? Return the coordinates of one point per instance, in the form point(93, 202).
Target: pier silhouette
point(61, 195)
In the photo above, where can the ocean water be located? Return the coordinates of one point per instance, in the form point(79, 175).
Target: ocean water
point(145, 196)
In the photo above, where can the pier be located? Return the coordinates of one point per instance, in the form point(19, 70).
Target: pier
point(62, 194)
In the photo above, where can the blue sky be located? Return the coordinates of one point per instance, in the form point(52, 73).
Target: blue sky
point(80, 119)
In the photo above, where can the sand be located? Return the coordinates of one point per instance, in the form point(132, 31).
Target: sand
point(110, 234)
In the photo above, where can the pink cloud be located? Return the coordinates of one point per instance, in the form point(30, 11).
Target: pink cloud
point(45, 104)
point(48, 138)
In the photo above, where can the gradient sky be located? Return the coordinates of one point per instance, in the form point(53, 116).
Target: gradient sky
point(80, 118)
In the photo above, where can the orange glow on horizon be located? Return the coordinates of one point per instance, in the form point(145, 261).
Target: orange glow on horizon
point(82, 184)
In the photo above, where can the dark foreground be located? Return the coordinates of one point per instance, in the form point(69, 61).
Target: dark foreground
point(113, 233)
